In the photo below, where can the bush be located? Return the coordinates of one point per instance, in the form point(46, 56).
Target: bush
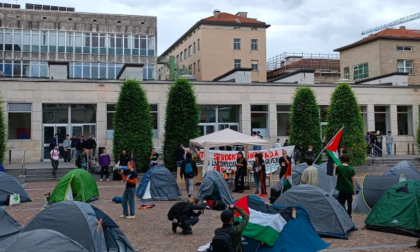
point(3, 126)
point(345, 111)
point(305, 125)
point(133, 124)
point(182, 119)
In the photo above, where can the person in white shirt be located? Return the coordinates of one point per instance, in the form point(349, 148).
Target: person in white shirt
point(310, 175)
point(55, 156)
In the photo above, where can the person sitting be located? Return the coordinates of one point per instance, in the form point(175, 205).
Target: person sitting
point(310, 175)
point(189, 217)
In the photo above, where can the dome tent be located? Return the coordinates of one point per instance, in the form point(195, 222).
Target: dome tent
point(9, 185)
point(215, 186)
point(327, 216)
point(158, 184)
point(8, 225)
point(410, 171)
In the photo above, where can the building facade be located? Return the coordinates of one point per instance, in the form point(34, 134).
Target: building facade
point(388, 51)
point(96, 46)
point(36, 109)
point(218, 44)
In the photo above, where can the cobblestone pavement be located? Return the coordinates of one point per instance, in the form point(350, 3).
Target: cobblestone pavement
point(151, 231)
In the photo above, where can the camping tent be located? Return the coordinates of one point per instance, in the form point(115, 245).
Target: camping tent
point(373, 187)
point(2, 168)
point(76, 220)
point(327, 216)
point(8, 225)
point(410, 171)
point(78, 185)
point(158, 184)
point(216, 187)
point(225, 137)
point(398, 210)
point(40, 240)
point(9, 185)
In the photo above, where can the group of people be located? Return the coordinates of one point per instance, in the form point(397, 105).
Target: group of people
point(374, 143)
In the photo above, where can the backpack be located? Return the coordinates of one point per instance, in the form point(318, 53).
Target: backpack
point(222, 242)
point(188, 169)
point(176, 210)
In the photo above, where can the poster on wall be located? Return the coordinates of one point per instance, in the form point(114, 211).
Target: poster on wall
point(23, 133)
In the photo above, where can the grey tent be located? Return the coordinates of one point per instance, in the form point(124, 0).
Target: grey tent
point(216, 187)
point(74, 219)
point(40, 240)
point(410, 171)
point(373, 187)
point(9, 185)
point(327, 216)
point(158, 184)
point(8, 225)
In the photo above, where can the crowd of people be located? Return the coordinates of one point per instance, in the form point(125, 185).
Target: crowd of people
point(374, 141)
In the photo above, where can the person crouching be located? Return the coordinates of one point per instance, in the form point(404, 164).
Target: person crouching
point(189, 217)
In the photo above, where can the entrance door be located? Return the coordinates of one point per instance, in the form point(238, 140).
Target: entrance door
point(49, 132)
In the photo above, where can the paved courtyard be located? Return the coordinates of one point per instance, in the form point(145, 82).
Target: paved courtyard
point(151, 231)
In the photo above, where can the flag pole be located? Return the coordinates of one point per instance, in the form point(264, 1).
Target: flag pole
point(327, 144)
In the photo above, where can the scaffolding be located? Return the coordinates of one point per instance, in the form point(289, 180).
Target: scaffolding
point(325, 65)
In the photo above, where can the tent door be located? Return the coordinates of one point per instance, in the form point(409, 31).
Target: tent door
point(147, 194)
point(69, 195)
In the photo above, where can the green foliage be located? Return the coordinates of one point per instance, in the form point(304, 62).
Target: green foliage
point(305, 125)
point(345, 111)
point(133, 124)
point(182, 119)
point(2, 133)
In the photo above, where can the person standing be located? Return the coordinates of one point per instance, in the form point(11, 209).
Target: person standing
point(189, 171)
point(259, 135)
point(310, 175)
point(90, 146)
point(179, 154)
point(262, 175)
point(310, 153)
point(241, 170)
point(389, 143)
point(255, 168)
point(104, 162)
point(130, 176)
point(55, 156)
point(297, 154)
point(73, 147)
point(132, 157)
point(373, 147)
point(367, 139)
point(346, 183)
point(284, 163)
point(81, 160)
point(154, 158)
point(286, 143)
point(67, 149)
point(80, 145)
point(124, 158)
point(54, 142)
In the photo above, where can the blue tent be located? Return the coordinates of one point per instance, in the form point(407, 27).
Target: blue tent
point(2, 168)
point(158, 184)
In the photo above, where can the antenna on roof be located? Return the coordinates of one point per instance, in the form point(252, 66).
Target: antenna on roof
point(392, 24)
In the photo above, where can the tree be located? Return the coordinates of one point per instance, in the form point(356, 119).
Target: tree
point(345, 111)
point(182, 119)
point(133, 124)
point(305, 125)
point(2, 132)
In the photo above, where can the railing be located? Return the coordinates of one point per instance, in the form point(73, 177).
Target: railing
point(376, 152)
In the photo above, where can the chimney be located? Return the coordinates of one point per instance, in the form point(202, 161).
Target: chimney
point(216, 13)
point(402, 27)
point(242, 14)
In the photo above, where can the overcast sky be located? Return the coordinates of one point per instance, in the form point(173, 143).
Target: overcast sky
point(310, 26)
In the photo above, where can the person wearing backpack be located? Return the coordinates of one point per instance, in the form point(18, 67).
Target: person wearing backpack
point(229, 237)
point(183, 215)
point(189, 171)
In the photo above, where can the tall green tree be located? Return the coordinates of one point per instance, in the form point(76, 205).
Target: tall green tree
point(133, 124)
point(3, 131)
point(345, 111)
point(305, 124)
point(182, 119)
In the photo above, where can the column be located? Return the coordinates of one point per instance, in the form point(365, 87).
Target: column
point(272, 125)
point(371, 117)
point(246, 118)
point(101, 126)
point(393, 119)
point(37, 145)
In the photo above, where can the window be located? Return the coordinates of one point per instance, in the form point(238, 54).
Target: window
point(236, 28)
point(185, 54)
point(237, 44)
point(382, 120)
point(154, 113)
point(148, 72)
point(215, 118)
point(19, 123)
point(405, 66)
point(361, 71)
point(151, 45)
point(347, 73)
point(254, 44)
point(283, 120)
point(404, 48)
point(189, 51)
point(254, 64)
point(198, 44)
point(83, 113)
point(190, 69)
point(194, 68)
point(181, 58)
point(55, 113)
point(254, 28)
point(198, 65)
point(177, 59)
point(259, 119)
point(405, 120)
point(194, 48)
point(237, 63)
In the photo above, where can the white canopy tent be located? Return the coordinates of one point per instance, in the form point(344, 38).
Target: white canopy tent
point(226, 137)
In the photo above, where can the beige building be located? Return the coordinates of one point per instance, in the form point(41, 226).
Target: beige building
point(386, 52)
point(218, 44)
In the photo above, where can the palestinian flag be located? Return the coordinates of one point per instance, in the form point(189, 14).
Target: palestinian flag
point(265, 222)
point(287, 179)
point(332, 150)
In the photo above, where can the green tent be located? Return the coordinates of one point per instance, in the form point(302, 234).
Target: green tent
point(78, 185)
point(398, 210)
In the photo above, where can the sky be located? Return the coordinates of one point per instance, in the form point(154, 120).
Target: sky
point(309, 26)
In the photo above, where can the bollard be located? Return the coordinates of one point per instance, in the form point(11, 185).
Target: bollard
point(10, 156)
point(408, 149)
point(412, 148)
point(395, 149)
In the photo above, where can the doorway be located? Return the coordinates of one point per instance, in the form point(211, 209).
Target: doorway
point(49, 132)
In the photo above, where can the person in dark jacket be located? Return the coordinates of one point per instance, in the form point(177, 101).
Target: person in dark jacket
point(189, 176)
point(54, 142)
point(124, 158)
point(80, 145)
point(241, 170)
point(236, 230)
point(104, 162)
point(188, 216)
point(297, 154)
point(179, 154)
point(90, 146)
point(262, 174)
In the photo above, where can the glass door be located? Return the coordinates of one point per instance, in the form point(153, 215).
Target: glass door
point(48, 135)
point(78, 130)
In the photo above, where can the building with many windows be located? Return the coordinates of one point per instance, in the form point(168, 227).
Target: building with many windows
point(218, 44)
point(382, 53)
point(95, 46)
